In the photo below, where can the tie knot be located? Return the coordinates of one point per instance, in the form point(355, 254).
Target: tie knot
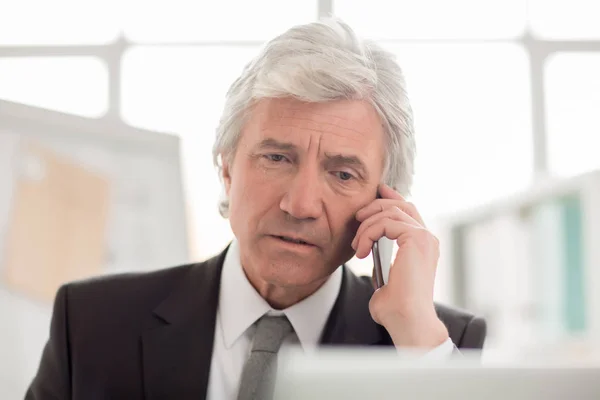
point(270, 333)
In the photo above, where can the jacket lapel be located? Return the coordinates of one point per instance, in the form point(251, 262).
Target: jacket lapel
point(177, 351)
point(350, 321)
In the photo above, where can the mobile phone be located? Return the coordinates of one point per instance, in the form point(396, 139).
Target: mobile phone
point(382, 258)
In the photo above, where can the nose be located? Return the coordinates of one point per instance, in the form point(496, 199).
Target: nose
point(303, 198)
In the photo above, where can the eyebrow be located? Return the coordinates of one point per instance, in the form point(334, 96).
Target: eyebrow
point(275, 144)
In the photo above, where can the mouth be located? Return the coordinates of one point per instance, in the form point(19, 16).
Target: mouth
point(293, 240)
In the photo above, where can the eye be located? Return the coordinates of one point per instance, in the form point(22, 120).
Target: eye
point(343, 175)
point(275, 157)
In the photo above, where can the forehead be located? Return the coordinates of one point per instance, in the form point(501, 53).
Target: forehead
point(343, 123)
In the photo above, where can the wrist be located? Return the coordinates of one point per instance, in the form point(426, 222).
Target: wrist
point(423, 333)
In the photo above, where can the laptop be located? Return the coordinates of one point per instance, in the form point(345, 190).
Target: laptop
point(386, 374)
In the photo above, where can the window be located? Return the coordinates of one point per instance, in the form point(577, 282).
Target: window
point(565, 19)
point(573, 102)
point(231, 20)
point(76, 85)
point(58, 22)
point(434, 19)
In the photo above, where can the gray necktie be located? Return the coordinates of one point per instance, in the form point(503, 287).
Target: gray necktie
point(258, 376)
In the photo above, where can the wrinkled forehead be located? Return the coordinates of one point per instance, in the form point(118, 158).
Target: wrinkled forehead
point(340, 120)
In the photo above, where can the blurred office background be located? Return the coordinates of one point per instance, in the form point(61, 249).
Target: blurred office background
point(107, 117)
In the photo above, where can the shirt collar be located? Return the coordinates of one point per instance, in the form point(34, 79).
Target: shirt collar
point(240, 305)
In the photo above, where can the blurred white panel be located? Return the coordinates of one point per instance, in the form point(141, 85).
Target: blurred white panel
point(182, 90)
point(565, 19)
point(193, 20)
point(75, 85)
point(26, 326)
point(573, 103)
point(473, 123)
point(57, 22)
point(499, 279)
point(434, 19)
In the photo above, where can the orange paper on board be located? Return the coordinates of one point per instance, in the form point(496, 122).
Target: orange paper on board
point(57, 229)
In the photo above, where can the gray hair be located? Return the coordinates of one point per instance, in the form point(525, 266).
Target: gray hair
point(320, 62)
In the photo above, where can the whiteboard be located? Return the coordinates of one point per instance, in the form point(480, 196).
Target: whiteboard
point(146, 226)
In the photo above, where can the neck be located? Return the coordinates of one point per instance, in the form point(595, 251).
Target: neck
point(281, 297)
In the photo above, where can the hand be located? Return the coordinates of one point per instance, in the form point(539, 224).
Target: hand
point(404, 306)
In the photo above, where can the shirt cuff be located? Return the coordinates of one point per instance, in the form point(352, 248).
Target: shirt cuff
point(442, 352)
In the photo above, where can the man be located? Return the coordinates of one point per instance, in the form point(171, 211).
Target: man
point(316, 126)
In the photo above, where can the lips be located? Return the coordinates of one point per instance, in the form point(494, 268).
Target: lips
point(293, 240)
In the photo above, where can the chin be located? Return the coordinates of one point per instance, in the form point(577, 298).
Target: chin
point(293, 274)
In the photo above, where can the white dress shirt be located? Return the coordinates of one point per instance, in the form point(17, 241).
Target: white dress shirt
point(240, 306)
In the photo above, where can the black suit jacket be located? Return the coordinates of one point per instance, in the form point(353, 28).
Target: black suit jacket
point(150, 335)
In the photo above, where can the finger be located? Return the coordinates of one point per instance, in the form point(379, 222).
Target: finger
point(385, 227)
point(388, 192)
point(379, 205)
point(411, 210)
point(394, 213)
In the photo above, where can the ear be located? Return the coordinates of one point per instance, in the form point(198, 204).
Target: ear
point(226, 174)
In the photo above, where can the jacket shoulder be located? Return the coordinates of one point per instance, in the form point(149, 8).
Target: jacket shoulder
point(129, 286)
point(466, 330)
point(125, 300)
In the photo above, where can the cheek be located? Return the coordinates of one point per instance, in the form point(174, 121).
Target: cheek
point(241, 198)
point(344, 225)
point(251, 193)
point(350, 229)
point(243, 181)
